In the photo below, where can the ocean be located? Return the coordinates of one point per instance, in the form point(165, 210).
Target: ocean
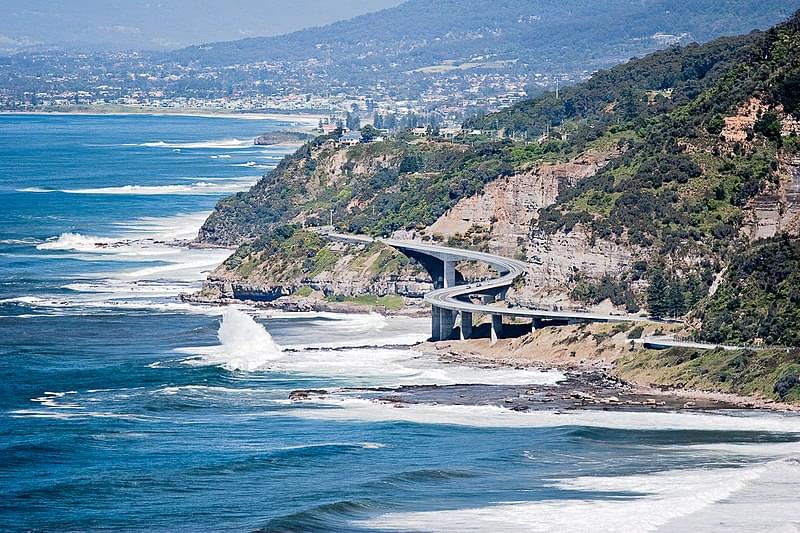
point(123, 408)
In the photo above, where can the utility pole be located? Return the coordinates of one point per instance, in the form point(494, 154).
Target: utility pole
point(331, 217)
point(556, 88)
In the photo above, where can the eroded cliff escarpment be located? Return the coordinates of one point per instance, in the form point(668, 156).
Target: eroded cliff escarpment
point(506, 212)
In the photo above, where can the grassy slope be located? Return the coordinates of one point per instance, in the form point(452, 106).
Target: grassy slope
point(769, 373)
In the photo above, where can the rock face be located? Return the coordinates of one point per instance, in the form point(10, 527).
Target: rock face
point(556, 260)
point(777, 209)
point(509, 205)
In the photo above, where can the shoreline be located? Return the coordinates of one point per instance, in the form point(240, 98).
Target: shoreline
point(301, 304)
point(446, 351)
point(584, 370)
point(581, 389)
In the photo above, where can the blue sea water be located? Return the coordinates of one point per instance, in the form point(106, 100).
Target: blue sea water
point(123, 408)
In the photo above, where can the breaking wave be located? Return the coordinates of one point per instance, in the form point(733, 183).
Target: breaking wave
point(224, 144)
point(35, 189)
point(245, 345)
point(197, 188)
point(652, 502)
point(74, 241)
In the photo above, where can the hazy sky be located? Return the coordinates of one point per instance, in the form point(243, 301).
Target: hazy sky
point(159, 24)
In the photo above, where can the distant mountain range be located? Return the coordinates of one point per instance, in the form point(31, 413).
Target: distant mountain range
point(543, 34)
point(453, 54)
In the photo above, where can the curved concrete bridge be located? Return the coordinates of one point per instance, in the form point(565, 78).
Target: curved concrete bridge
point(452, 299)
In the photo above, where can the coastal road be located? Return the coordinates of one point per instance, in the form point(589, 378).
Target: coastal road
point(453, 298)
point(663, 342)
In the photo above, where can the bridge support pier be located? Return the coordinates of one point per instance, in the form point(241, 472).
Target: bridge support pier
point(449, 271)
point(436, 319)
point(447, 322)
point(497, 327)
point(466, 325)
point(443, 322)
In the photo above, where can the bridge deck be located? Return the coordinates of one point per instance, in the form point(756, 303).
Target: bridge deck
point(509, 269)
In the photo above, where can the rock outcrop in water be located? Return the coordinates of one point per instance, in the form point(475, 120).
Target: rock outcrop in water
point(281, 137)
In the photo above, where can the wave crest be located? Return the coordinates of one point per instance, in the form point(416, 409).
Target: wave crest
point(215, 144)
point(74, 241)
point(197, 188)
point(245, 344)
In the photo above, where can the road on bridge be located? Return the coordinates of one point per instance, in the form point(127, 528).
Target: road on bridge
point(449, 299)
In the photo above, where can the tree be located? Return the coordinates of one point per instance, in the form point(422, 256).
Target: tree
point(675, 303)
point(769, 125)
point(409, 164)
point(353, 122)
point(657, 294)
point(369, 133)
point(715, 125)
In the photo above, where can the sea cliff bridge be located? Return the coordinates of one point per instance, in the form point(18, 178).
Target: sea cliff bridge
point(454, 303)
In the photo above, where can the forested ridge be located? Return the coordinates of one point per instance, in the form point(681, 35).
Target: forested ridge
point(700, 130)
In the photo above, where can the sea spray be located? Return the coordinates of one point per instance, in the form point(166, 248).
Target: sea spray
point(246, 344)
point(74, 241)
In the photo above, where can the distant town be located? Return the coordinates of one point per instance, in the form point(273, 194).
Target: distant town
point(52, 82)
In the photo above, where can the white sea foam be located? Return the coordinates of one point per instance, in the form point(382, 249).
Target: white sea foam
point(28, 300)
point(75, 241)
point(661, 501)
point(206, 390)
point(75, 415)
point(766, 503)
point(361, 366)
point(177, 227)
point(175, 267)
point(245, 345)
point(25, 242)
point(83, 303)
point(196, 189)
point(224, 144)
point(35, 189)
point(394, 367)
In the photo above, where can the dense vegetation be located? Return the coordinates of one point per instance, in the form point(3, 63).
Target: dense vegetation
point(759, 297)
point(681, 189)
point(377, 189)
point(287, 255)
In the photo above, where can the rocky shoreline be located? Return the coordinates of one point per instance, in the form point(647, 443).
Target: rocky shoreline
point(593, 384)
point(580, 390)
point(586, 355)
point(292, 304)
